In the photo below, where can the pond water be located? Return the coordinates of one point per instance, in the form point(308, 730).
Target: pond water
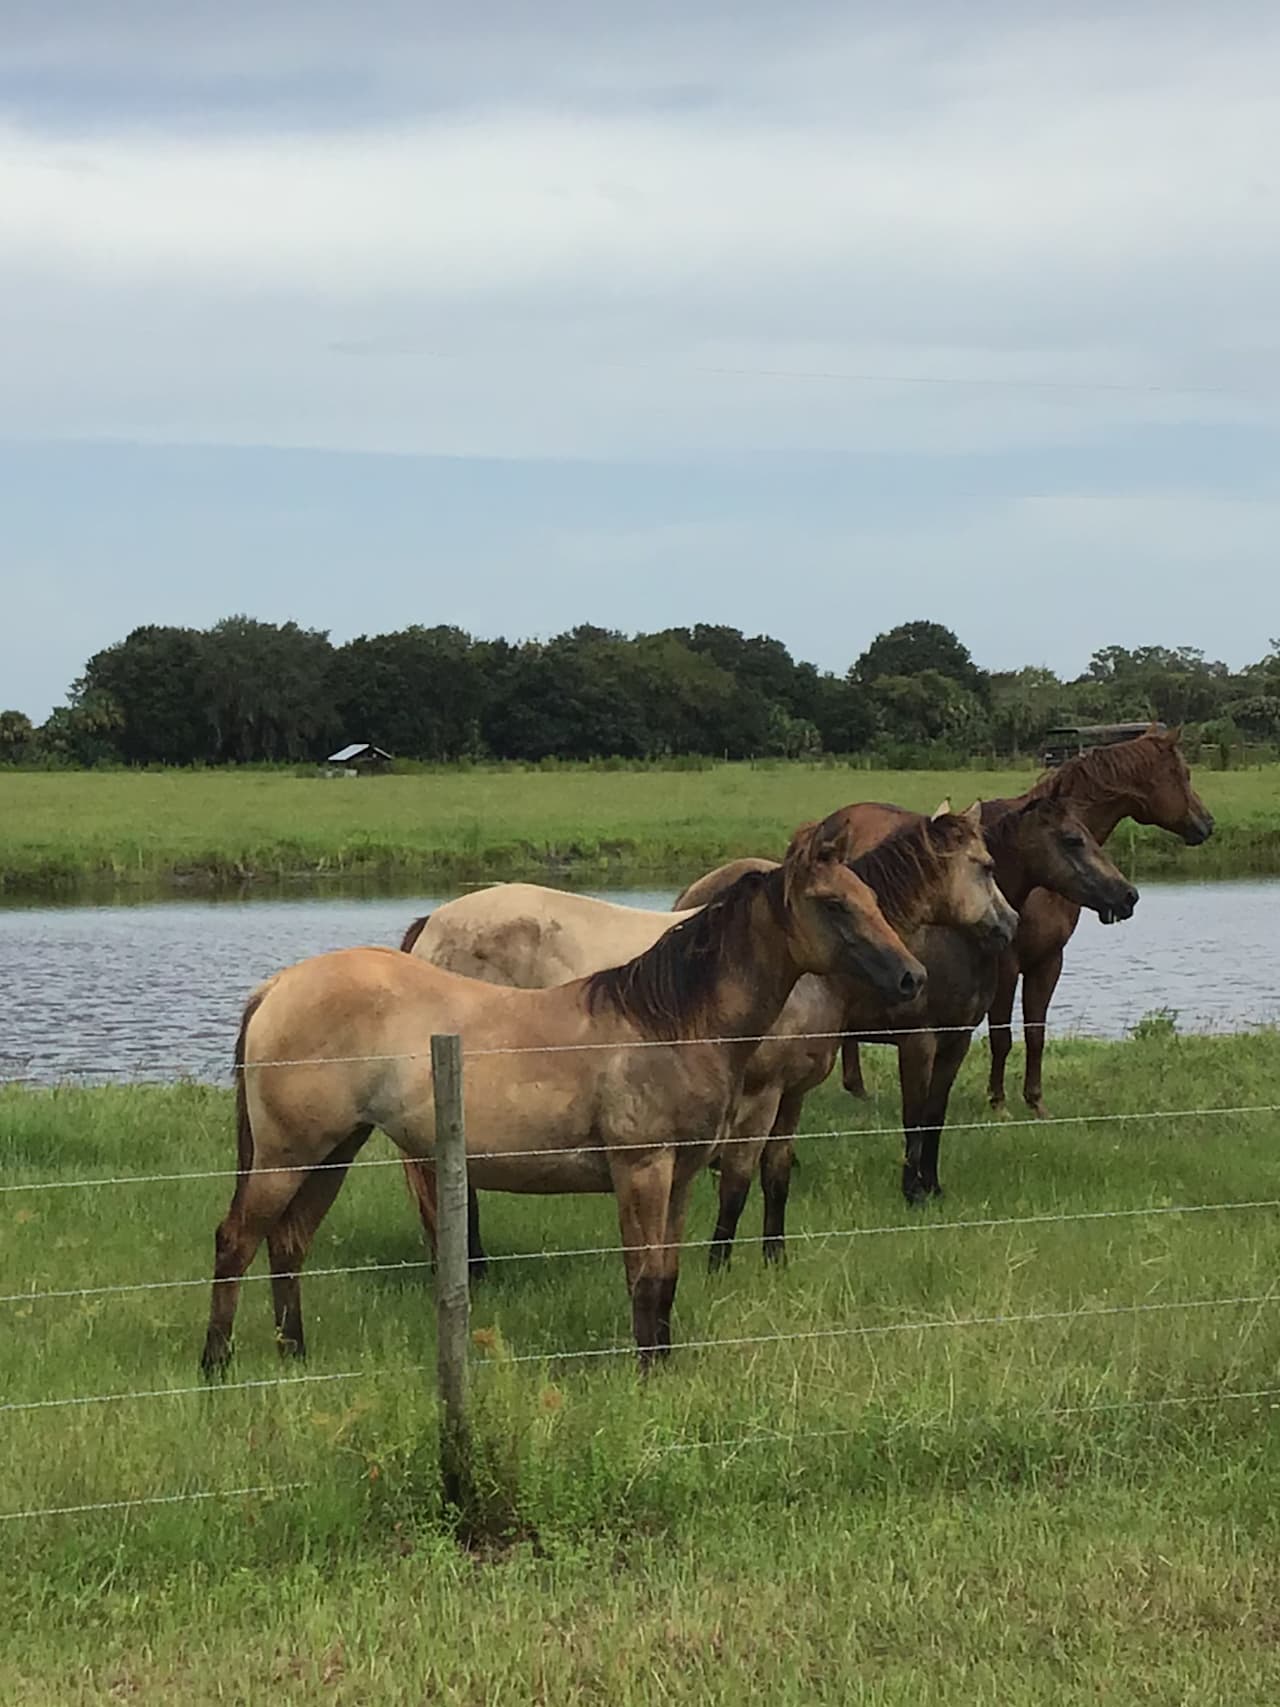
point(155, 991)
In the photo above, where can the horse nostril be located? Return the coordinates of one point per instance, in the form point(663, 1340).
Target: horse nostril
point(909, 983)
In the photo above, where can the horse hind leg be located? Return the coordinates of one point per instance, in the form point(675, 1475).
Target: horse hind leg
point(257, 1204)
point(421, 1179)
point(290, 1239)
point(1038, 987)
point(1000, 1029)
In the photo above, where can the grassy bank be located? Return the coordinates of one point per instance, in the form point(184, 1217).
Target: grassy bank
point(210, 828)
point(1003, 1513)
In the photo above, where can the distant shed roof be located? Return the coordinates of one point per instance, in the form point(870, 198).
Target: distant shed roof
point(357, 749)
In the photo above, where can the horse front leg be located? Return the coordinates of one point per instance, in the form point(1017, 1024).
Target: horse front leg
point(686, 1167)
point(775, 1175)
point(948, 1056)
point(738, 1163)
point(851, 1068)
point(1038, 986)
point(642, 1184)
point(916, 1052)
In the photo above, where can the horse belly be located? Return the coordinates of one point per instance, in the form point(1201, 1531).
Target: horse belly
point(538, 1174)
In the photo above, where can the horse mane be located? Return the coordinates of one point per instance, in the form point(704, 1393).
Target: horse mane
point(902, 867)
point(667, 991)
point(414, 931)
point(1101, 771)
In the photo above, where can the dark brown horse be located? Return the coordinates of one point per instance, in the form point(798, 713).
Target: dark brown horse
point(1042, 843)
point(1145, 779)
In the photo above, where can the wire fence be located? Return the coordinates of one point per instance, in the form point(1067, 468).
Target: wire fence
point(49, 1074)
point(570, 1354)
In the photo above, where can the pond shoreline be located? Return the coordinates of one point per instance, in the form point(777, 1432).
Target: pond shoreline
point(188, 833)
point(1146, 856)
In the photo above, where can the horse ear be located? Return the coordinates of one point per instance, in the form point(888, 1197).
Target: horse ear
point(802, 842)
point(1173, 736)
point(973, 815)
point(942, 808)
point(837, 847)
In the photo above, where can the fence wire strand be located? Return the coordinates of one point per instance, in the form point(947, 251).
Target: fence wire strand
point(807, 1236)
point(477, 1155)
point(1013, 1029)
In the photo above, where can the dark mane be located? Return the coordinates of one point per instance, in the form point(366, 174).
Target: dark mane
point(1100, 772)
point(902, 868)
point(667, 991)
point(414, 931)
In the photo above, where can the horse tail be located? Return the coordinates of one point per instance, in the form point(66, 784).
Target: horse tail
point(414, 931)
point(421, 1181)
point(244, 1125)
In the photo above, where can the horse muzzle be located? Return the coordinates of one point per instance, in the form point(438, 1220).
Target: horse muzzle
point(893, 978)
point(1198, 830)
point(1119, 907)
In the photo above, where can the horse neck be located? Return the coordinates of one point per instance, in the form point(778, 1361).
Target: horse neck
point(1012, 877)
point(1099, 807)
point(758, 973)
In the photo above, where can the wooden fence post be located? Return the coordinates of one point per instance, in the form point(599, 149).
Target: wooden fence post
point(453, 1302)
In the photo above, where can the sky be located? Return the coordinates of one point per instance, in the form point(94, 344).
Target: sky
point(808, 319)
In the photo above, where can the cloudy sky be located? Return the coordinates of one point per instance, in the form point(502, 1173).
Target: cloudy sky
point(809, 318)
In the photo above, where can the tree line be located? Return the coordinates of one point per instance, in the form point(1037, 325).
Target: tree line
point(249, 692)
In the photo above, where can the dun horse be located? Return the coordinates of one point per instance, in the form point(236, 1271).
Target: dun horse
point(1145, 779)
point(335, 1046)
point(933, 873)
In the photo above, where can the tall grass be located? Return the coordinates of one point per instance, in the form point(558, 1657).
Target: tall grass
point(224, 828)
point(1012, 1511)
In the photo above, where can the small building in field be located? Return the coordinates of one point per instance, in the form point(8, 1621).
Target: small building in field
point(361, 758)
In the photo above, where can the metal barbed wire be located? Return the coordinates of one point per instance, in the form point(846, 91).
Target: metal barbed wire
point(803, 1235)
point(993, 1125)
point(771, 1437)
point(780, 1436)
point(152, 1500)
point(877, 1329)
point(861, 1034)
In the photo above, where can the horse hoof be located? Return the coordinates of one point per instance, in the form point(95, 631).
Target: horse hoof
point(998, 1104)
point(860, 1091)
point(1038, 1110)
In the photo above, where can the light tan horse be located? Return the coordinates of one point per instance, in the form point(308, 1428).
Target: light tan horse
point(337, 1045)
point(521, 934)
point(532, 937)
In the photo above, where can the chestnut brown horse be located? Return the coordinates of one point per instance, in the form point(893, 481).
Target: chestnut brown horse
point(1042, 844)
point(938, 872)
point(1145, 779)
point(336, 1045)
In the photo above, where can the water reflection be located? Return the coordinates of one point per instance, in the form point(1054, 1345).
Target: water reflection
point(155, 991)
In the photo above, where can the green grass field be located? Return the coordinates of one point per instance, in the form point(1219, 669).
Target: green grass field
point(1001, 1514)
point(120, 828)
